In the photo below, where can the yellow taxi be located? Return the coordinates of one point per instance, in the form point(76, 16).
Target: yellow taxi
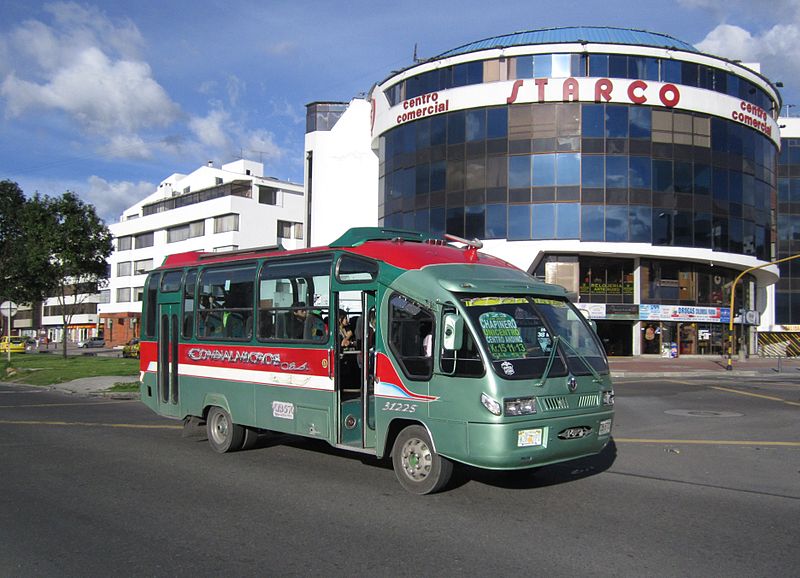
point(13, 343)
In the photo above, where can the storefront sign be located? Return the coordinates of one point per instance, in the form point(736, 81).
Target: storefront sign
point(593, 310)
point(425, 105)
point(753, 116)
point(684, 313)
point(621, 311)
point(603, 90)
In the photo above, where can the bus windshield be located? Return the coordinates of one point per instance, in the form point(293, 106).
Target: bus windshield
point(519, 332)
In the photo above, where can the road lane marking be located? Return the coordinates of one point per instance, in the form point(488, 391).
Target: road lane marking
point(707, 442)
point(87, 424)
point(68, 404)
point(759, 395)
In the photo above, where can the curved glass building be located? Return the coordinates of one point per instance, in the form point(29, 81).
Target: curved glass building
point(625, 165)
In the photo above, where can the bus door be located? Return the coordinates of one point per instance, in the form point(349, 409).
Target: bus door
point(355, 367)
point(355, 314)
point(168, 332)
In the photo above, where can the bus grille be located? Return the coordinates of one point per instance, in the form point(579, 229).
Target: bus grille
point(591, 400)
point(554, 402)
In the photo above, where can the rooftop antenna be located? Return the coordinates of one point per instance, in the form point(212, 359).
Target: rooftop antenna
point(415, 53)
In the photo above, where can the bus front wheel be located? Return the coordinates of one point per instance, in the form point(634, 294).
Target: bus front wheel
point(223, 435)
point(418, 468)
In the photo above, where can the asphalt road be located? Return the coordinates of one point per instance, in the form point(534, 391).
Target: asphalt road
point(703, 479)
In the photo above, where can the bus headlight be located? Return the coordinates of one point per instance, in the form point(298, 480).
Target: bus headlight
point(490, 404)
point(608, 397)
point(520, 406)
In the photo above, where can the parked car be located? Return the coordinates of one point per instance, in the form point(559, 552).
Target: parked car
point(92, 342)
point(13, 343)
point(131, 349)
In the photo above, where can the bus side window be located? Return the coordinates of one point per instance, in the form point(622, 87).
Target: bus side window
point(411, 336)
point(225, 303)
point(188, 303)
point(293, 300)
point(464, 362)
point(153, 282)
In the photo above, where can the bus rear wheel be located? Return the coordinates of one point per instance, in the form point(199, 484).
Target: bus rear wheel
point(418, 468)
point(223, 435)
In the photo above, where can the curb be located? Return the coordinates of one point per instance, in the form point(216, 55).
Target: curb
point(675, 374)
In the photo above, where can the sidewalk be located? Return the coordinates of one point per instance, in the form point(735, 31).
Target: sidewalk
point(98, 386)
point(688, 366)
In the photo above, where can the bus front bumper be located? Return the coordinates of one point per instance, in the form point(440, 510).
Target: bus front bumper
point(531, 443)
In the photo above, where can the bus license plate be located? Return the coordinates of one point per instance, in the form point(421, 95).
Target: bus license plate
point(529, 437)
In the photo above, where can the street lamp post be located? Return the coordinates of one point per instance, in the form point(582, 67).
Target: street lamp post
point(729, 366)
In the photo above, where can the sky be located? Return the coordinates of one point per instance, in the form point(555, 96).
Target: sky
point(108, 98)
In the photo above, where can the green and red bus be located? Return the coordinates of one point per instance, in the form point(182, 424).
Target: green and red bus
point(386, 342)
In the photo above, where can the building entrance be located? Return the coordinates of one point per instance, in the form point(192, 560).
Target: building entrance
point(616, 337)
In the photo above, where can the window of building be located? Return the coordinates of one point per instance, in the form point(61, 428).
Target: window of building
point(105, 296)
point(267, 195)
point(186, 231)
point(124, 243)
point(124, 268)
point(290, 230)
point(138, 294)
point(123, 295)
point(143, 266)
point(606, 280)
point(226, 223)
point(144, 240)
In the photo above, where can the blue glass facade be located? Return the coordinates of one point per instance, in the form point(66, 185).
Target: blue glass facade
point(594, 172)
point(787, 292)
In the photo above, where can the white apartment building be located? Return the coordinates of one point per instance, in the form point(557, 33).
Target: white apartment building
point(211, 209)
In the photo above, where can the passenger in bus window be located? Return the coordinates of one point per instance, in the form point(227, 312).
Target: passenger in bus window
point(345, 333)
point(297, 320)
point(315, 328)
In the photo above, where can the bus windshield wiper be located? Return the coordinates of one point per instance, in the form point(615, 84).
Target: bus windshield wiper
point(597, 378)
point(553, 350)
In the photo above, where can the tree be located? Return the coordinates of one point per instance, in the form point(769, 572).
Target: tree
point(78, 243)
point(23, 257)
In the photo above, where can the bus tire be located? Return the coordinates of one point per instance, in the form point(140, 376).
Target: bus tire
point(223, 435)
point(418, 468)
point(250, 438)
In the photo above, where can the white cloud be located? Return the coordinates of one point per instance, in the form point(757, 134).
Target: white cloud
point(104, 96)
point(748, 31)
point(110, 198)
point(128, 146)
point(280, 48)
point(731, 42)
point(236, 86)
point(289, 111)
point(775, 48)
point(211, 130)
point(219, 135)
point(85, 66)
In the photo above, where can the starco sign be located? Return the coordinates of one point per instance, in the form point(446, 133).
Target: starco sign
point(599, 90)
point(604, 91)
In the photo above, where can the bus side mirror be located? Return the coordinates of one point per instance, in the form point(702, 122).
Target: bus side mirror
point(452, 331)
point(593, 324)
